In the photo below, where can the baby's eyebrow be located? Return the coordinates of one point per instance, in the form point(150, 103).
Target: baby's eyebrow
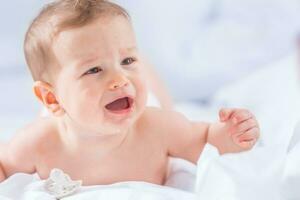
point(129, 49)
point(94, 58)
point(132, 48)
point(87, 61)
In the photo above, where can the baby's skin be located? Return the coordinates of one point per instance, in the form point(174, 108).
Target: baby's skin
point(100, 130)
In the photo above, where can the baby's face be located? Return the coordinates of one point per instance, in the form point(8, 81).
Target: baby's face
point(100, 85)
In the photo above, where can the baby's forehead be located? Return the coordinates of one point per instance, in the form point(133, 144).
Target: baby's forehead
point(112, 29)
point(100, 38)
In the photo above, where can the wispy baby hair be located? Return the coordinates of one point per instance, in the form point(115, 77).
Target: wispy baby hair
point(52, 19)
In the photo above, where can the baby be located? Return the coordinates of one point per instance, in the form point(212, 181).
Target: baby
point(89, 74)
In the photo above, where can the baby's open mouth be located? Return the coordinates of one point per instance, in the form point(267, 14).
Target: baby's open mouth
point(119, 105)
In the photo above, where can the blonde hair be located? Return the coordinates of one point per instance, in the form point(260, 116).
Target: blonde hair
point(53, 18)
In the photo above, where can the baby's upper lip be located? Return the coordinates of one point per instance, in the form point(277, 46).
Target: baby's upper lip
point(119, 97)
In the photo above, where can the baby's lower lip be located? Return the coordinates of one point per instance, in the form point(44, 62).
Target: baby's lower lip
point(121, 112)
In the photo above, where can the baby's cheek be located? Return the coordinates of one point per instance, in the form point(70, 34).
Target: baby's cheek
point(142, 92)
point(78, 103)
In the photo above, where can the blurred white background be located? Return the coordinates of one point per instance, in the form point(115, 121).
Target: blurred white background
point(198, 47)
point(17, 103)
point(237, 53)
point(205, 44)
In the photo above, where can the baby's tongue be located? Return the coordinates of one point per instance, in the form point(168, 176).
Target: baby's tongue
point(119, 104)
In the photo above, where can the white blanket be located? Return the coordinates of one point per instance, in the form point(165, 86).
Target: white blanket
point(180, 185)
point(290, 183)
point(28, 187)
point(256, 174)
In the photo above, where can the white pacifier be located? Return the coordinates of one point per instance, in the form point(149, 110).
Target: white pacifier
point(60, 184)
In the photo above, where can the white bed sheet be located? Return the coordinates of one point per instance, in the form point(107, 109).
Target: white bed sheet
point(269, 170)
point(179, 185)
point(246, 176)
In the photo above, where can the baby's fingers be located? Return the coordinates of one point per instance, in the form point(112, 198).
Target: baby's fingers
point(246, 125)
point(225, 114)
point(247, 145)
point(247, 139)
point(241, 115)
point(248, 135)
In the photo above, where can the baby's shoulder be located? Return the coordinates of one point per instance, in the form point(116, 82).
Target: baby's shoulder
point(34, 136)
point(152, 116)
point(161, 119)
point(23, 152)
point(158, 115)
point(154, 113)
point(163, 126)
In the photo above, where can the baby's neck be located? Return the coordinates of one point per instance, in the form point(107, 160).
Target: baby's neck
point(78, 140)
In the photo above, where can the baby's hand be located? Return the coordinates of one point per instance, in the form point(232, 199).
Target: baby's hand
point(238, 131)
point(241, 126)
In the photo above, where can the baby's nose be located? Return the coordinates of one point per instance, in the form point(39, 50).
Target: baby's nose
point(119, 81)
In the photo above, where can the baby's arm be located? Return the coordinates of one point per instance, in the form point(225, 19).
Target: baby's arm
point(237, 131)
point(18, 155)
point(183, 138)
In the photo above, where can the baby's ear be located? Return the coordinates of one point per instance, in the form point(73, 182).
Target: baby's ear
point(44, 92)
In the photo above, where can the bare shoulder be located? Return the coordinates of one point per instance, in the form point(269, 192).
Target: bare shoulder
point(164, 119)
point(35, 134)
point(27, 145)
point(180, 136)
point(166, 124)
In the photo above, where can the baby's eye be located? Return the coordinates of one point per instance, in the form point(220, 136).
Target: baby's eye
point(93, 70)
point(127, 61)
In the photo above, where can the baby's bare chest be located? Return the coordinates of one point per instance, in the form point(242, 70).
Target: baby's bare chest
point(143, 162)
